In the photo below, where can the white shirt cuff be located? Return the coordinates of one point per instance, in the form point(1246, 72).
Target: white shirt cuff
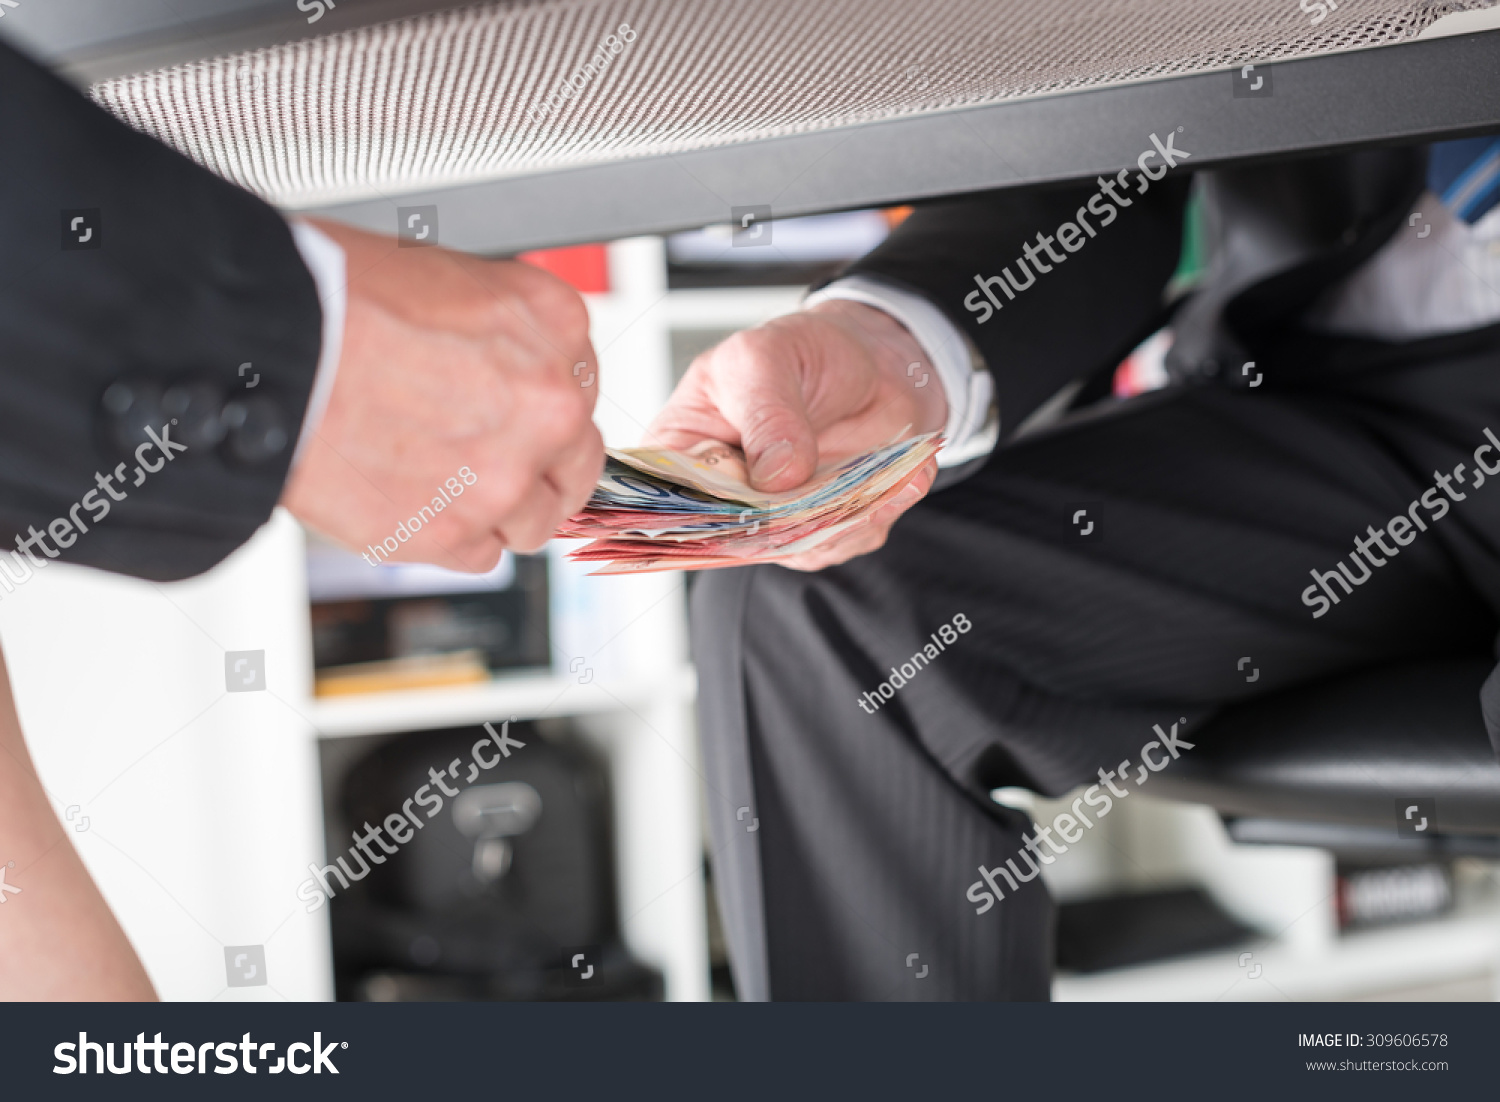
point(325, 260)
point(973, 420)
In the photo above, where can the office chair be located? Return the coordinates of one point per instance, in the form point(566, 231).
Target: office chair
point(362, 111)
point(1392, 762)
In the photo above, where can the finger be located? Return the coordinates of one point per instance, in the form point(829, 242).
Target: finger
point(691, 414)
point(865, 535)
point(759, 392)
point(550, 425)
point(575, 475)
point(927, 476)
point(462, 548)
point(878, 521)
point(861, 541)
point(530, 525)
point(478, 556)
point(872, 531)
point(914, 491)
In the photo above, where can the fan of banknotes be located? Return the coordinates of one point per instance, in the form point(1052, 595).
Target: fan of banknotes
point(656, 509)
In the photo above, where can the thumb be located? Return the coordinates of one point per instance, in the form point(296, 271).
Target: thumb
point(781, 449)
point(754, 381)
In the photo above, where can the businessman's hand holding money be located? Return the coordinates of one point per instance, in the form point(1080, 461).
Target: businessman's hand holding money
point(802, 395)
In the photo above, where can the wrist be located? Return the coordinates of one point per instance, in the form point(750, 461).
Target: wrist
point(897, 357)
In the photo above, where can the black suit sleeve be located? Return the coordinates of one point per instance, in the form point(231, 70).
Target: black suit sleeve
point(133, 286)
point(1084, 314)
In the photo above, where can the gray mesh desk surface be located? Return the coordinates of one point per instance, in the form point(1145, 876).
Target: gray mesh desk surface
point(801, 105)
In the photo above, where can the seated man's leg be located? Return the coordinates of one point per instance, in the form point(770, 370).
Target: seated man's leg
point(851, 816)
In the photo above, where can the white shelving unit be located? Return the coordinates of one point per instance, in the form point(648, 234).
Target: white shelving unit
point(521, 696)
point(1458, 952)
point(1284, 893)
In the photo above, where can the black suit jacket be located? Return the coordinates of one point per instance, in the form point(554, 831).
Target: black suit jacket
point(133, 286)
point(1280, 235)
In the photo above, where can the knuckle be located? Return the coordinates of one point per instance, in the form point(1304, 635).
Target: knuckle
point(488, 557)
point(526, 279)
point(575, 493)
point(735, 351)
point(761, 344)
point(557, 303)
point(705, 359)
point(501, 498)
point(527, 543)
point(564, 408)
point(529, 534)
point(481, 554)
point(570, 316)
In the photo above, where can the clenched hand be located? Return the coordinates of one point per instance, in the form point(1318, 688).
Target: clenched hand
point(450, 361)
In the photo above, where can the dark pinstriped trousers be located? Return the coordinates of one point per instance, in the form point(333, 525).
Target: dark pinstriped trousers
point(845, 841)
